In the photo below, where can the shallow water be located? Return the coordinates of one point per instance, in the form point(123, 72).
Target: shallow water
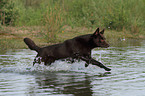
point(19, 78)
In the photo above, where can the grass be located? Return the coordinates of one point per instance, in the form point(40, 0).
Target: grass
point(117, 15)
point(53, 21)
point(12, 37)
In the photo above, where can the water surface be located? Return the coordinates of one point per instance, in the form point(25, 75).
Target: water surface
point(19, 78)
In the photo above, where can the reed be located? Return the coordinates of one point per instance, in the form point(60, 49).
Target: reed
point(53, 21)
point(119, 15)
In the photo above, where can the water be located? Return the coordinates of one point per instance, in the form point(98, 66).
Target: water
point(19, 78)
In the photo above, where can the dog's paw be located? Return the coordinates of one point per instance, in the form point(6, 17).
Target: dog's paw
point(107, 69)
point(86, 65)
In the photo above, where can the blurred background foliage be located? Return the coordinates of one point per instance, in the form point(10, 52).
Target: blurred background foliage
point(54, 14)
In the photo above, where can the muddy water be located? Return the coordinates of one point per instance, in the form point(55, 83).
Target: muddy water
point(127, 60)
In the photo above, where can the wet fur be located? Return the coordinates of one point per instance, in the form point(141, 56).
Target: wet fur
point(77, 48)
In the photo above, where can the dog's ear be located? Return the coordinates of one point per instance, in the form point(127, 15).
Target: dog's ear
point(102, 32)
point(96, 32)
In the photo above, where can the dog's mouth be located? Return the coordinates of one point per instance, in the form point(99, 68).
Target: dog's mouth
point(105, 46)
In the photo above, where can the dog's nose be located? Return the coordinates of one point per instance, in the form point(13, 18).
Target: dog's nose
point(108, 45)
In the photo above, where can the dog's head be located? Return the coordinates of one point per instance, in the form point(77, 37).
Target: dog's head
point(99, 39)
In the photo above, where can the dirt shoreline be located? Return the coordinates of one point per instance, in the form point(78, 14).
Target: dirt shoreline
point(12, 37)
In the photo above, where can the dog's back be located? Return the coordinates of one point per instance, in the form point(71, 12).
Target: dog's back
point(59, 51)
point(66, 49)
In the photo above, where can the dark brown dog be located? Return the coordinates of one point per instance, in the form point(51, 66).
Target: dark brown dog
point(77, 48)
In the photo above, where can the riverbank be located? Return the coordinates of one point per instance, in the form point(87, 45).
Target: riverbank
point(12, 37)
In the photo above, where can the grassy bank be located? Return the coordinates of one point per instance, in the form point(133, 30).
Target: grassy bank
point(116, 15)
point(63, 19)
point(12, 37)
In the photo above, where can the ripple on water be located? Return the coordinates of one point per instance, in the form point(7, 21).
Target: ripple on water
point(127, 78)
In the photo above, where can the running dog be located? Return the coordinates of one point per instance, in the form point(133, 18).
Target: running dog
point(76, 48)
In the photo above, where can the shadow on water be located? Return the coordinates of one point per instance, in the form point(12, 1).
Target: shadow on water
point(71, 84)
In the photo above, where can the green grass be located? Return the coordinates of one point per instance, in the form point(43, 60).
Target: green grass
point(117, 15)
point(125, 17)
point(12, 37)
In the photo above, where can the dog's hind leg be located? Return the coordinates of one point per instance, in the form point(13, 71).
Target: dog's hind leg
point(37, 60)
point(48, 60)
point(47, 63)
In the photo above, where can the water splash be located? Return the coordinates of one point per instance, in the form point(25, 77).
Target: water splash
point(54, 67)
point(20, 61)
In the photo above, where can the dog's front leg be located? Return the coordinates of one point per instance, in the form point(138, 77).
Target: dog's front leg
point(94, 62)
point(84, 58)
point(87, 59)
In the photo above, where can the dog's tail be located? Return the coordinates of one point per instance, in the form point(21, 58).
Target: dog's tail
point(31, 44)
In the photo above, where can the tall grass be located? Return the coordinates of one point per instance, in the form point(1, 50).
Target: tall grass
point(54, 19)
point(54, 14)
point(29, 15)
point(125, 14)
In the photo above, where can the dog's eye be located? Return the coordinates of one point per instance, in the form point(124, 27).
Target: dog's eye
point(101, 40)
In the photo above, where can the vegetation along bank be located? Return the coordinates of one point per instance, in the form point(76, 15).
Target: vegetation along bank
point(53, 21)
